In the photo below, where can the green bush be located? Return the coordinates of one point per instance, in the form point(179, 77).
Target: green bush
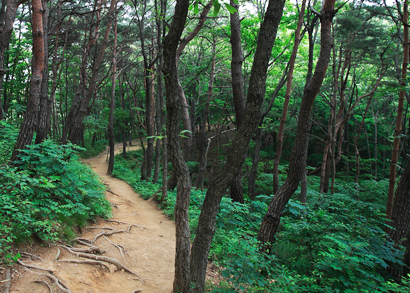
point(47, 193)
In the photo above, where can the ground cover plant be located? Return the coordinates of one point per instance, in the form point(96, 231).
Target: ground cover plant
point(47, 193)
point(334, 243)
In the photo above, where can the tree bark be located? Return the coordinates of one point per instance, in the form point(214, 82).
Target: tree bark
point(238, 149)
point(44, 115)
point(399, 119)
point(6, 28)
point(29, 124)
point(112, 101)
point(271, 220)
point(281, 130)
point(182, 280)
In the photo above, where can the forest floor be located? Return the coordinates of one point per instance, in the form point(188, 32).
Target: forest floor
point(148, 249)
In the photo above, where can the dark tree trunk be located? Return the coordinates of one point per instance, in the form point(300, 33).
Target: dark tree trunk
point(44, 115)
point(287, 99)
point(112, 101)
point(254, 169)
point(271, 220)
point(238, 149)
point(29, 124)
point(182, 280)
point(400, 106)
point(202, 141)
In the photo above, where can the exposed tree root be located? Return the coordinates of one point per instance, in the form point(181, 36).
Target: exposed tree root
point(57, 255)
point(106, 259)
point(26, 254)
point(113, 192)
point(108, 228)
point(102, 233)
point(120, 247)
point(63, 287)
point(85, 261)
point(44, 282)
point(34, 267)
point(130, 225)
point(8, 281)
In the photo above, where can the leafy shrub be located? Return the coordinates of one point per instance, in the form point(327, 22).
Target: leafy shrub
point(47, 193)
point(8, 137)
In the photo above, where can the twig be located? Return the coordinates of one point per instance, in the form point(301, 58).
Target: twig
point(44, 282)
point(85, 261)
point(34, 267)
point(106, 259)
point(8, 281)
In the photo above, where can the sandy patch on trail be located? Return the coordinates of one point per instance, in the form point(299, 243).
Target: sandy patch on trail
point(150, 248)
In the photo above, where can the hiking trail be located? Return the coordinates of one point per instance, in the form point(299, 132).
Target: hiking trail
point(138, 236)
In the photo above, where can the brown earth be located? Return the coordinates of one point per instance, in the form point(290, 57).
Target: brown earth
point(150, 248)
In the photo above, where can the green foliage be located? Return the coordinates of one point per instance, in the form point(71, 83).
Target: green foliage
point(8, 137)
point(47, 194)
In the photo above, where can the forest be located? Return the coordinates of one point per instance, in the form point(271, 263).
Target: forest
point(273, 133)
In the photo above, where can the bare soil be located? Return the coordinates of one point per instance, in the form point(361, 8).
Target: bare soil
point(150, 249)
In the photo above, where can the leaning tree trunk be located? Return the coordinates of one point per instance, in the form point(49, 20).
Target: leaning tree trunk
point(399, 119)
point(182, 280)
point(29, 124)
point(271, 219)
point(238, 149)
point(279, 137)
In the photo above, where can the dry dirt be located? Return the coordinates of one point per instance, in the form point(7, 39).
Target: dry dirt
point(150, 249)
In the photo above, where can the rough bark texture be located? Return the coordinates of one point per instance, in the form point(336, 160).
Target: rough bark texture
point(397, 131)
point(238, 94)
point(239, 146)
point(44, 115)
point(182, 256)
point(112, 103)
point(271, 220)
point(6, 28)
point(29, 124)
point(281, 130)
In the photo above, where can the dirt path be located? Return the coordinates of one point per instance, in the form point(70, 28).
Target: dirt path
point(150, 248)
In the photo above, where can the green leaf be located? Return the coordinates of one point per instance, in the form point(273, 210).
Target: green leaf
point(231, 9)
point(217, 7)
point(196, 10)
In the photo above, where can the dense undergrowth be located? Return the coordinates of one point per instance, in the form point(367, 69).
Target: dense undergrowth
point(334, 243)
point(47, 193)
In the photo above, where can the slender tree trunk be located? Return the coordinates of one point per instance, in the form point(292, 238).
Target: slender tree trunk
point(254, 169)
point(399, 119)
point(29, 124)
point(44, 115)
point(6, 28)
point(202, 141)
point(238, 149)
point(287, 99)
point(271, 220)
point(112, 101)
point(182, 280)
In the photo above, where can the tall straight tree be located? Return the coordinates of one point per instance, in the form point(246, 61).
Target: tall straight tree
point(272, 217)
point(112, 100)
point(239, 146)
point(182, 281)
point(29, 124)
point(238, 93)
point(7, 16)
point(400, 107)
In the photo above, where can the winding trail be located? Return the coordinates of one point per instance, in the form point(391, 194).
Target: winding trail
point(150, 251)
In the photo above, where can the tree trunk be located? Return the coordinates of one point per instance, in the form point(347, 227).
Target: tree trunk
point(238, 149)
point(6, 28)
point(271, 220)
point(44, 115)
point(287, 99)
point(254, 169)
point(112, 101)
point(202, 141)
point(29, 124)
point(399, 119)
point(182, 280)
